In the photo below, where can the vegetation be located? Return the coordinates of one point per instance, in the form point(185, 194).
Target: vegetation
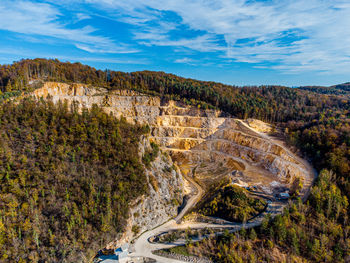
point(314, 232)
point(315, 120)
point(231, 203)
point(341, 89)
point(177, 250)
point(150, 155)
point(186, 234)
point(65, 180)
point(327, 143)
point(267, 103)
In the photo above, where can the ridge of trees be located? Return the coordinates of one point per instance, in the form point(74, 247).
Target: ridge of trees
point(268, 103)
point(340, 89)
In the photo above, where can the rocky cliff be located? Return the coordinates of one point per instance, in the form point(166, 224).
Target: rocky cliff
point(165, 194)
point(203, 143)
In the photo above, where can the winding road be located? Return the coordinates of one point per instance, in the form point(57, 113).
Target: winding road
point(142, 247)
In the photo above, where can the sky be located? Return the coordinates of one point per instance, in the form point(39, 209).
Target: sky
point(239, 42)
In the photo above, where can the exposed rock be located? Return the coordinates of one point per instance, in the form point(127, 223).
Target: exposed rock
point(189, 133)
point(194, 138)
point(161, 203)
point(259, 125)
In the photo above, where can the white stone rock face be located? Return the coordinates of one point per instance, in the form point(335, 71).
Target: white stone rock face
point(204, 139)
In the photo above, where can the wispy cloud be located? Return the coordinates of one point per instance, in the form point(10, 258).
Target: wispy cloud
point(203, 43)
point(184, 60)
point(106, 48)
point(82, 16)
point(40, 19)
point(288, 36)
point(292, 35)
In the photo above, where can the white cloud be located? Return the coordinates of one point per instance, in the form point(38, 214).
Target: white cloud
point(295, 36)
point(82, 16)
point(41, 19)
point(184, 60)
point(106, 48)
point(204, 43)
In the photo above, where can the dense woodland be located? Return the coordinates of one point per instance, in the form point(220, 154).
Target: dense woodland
point(231, 203)
point(314, 119)
point(65, 180)
point(341, 89)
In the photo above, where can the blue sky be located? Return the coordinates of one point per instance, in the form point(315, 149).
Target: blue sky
point(240, 42)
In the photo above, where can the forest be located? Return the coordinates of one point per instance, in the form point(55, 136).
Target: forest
point(230, 202)
point(340, 89)
point(314, 120)
point(65, 180)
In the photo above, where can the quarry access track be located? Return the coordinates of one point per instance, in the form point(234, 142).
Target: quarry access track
point(143, 247)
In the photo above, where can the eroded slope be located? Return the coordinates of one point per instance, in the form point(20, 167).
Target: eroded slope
point(203, 139)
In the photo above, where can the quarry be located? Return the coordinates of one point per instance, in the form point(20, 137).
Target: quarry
point(199, 147)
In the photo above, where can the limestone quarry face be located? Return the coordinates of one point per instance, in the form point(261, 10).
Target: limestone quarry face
point(165, 192)
point(202, 143)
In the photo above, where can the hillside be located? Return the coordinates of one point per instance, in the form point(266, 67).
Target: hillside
point(48, 148)
point(313, 232)
point(299, 112)
point(66, 178)
point(344, 86)
point(267, 103)
point(198, 140)
point(340, 89)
